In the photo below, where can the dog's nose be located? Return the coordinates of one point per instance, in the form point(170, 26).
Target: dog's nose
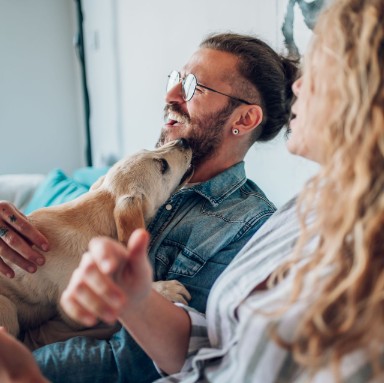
point(183, 143)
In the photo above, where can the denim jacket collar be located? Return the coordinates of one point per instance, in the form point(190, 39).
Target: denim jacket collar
point(218, 188)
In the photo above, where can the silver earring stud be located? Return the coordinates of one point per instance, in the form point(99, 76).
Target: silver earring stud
point(235, 131)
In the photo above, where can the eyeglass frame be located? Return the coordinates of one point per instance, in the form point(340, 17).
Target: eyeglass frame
point(183, 80)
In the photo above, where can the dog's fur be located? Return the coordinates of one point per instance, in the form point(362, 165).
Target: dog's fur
point(126, 198)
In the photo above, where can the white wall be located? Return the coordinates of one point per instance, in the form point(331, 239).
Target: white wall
point(132, 46)
point(158, 36)
point(103, 74)
point(41, 122)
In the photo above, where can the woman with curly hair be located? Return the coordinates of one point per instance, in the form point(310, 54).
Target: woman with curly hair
point(340, 278)
point(304, 300)
point(330, 327)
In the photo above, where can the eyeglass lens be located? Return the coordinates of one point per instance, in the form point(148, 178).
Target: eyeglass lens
point(188, 84)
point(173, 80)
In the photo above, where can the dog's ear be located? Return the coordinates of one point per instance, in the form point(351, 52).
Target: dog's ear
point(98, 183)
point(128, 214)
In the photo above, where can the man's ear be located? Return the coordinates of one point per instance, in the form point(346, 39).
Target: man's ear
point(129, 215)
point(249, 118)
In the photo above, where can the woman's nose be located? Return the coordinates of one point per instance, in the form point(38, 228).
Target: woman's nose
point(297, 85)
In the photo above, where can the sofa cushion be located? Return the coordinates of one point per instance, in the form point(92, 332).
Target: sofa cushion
point(87, 176)
point(58, 188)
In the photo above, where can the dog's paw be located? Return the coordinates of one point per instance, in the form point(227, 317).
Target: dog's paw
point(172, 290)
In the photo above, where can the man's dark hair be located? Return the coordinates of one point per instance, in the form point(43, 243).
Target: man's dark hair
point(268, 78)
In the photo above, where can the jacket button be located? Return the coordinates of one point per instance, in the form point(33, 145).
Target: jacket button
point(168, 206)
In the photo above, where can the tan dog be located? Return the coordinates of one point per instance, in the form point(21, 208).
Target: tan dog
point(126, 198)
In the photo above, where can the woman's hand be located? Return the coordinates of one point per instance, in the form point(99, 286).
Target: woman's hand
point(17, 364)
point(115, 282)
point(110, 279)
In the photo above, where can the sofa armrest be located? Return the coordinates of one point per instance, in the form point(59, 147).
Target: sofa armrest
point(19, 188)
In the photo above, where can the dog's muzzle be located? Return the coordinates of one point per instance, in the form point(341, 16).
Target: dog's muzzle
point(187, 176)
point(183, 143)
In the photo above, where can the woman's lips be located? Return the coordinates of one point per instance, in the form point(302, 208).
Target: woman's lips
point(292, 121)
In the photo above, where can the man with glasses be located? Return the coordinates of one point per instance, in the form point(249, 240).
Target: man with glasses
point(235, 90)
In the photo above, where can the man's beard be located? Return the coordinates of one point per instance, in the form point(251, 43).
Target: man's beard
point(205, 134)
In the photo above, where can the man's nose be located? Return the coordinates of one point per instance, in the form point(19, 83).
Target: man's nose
point(174, 95)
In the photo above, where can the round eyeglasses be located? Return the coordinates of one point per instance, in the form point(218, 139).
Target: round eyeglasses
point(189, 84)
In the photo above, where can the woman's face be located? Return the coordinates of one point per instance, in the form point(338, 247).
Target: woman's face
point(305, 138)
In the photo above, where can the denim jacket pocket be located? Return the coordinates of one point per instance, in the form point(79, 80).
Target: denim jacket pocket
point(177, 259)
point(187, 264)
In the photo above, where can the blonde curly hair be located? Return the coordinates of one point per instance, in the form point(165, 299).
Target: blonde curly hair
point(345, 70)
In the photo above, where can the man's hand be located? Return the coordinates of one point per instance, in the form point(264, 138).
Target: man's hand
point(109, 280)
point(17, 240)
point(17, 364)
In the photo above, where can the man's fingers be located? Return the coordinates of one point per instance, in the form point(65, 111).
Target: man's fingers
point(7, 253)
point(17, 237)
point(12, 218)
point(6, 270)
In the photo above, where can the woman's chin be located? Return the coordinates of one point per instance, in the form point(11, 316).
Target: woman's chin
point(293, 146)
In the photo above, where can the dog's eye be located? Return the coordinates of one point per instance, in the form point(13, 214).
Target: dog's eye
point(164, 166)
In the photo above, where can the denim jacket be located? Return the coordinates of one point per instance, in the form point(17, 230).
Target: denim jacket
point(200, 229)
point(194, 237)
